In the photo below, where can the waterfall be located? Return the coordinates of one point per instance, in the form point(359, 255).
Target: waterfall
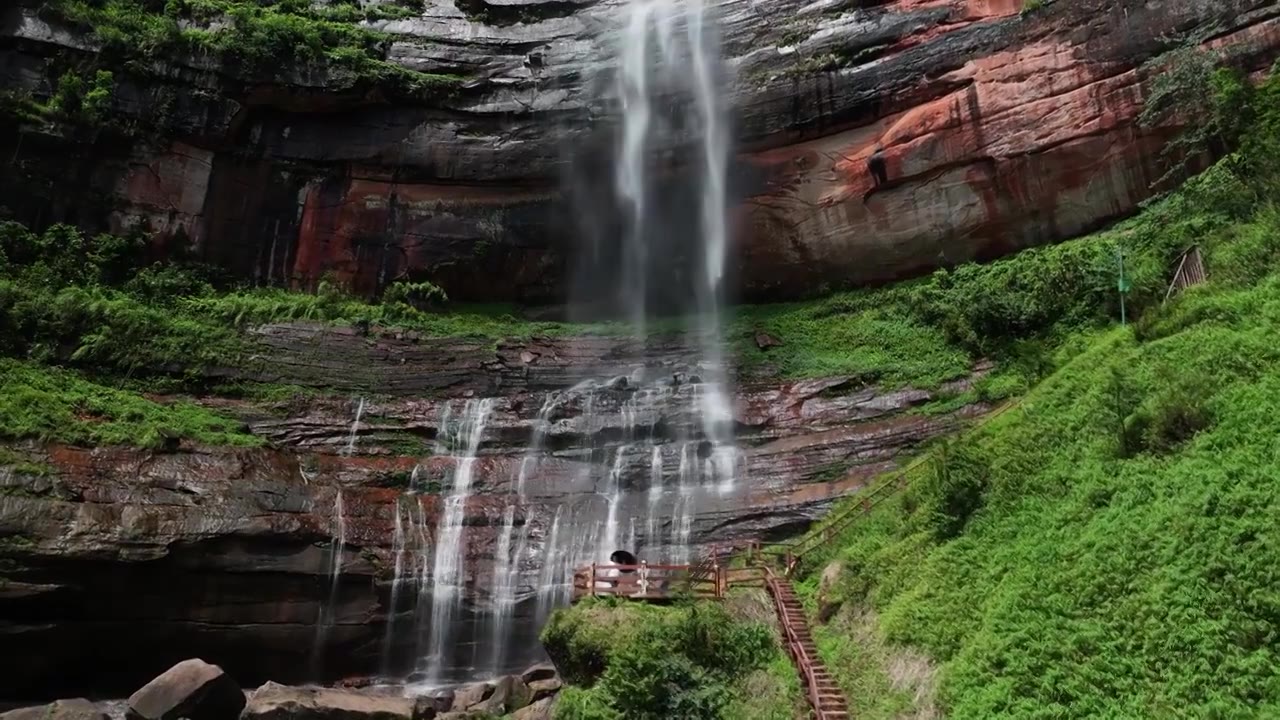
point(350, 447)
point(397, 578)
point(668, 87)
point(534, 452)
point(327, 609)
point(448, 575)
point(654, 440)
point(613, 499)
point(548, 579)
point(505, 569)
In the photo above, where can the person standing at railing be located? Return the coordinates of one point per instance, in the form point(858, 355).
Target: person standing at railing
point(642, 579)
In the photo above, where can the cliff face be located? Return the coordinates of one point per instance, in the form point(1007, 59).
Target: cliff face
point(116, 562)
point(1000, 131)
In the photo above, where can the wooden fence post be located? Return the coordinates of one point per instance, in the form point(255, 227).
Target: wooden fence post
point(591, 581)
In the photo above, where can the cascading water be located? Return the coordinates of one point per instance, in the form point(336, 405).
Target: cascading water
point(397, 579)
point(642, 445)
point(506, 567)
point(328, 609)
point(447, 571)
point(350, 448)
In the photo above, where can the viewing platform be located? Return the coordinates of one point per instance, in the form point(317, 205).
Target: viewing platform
point(710, 580)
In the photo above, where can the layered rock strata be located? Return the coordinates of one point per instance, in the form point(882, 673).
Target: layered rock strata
point(148, 557)
point(1000, 129)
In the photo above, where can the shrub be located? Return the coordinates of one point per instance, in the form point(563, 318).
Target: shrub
point(75, 99)
point(651, 662)
point(573, 703)
point(1175, 410)
point(257, 37)
point(957, 487)
point(417, 295)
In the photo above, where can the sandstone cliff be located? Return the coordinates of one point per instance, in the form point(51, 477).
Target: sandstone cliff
point(116, 563)
point(1001, 130)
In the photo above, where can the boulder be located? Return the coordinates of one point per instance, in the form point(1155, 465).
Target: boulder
point(541, 671)
point(764, 341)
point(73, 709)
point(193, 689)
point(540, 689)
point(509, 694)
point(283, 702)
point(429, 707)
point(541, 710)
point(471, 695)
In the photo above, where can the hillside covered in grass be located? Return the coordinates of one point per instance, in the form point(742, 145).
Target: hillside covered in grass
point(1109, 547)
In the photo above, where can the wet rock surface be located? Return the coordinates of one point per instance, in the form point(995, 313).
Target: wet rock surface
point(74, 709)
point(227, 553)
point(192, 689)
point(282, 702)
point(1000, 130)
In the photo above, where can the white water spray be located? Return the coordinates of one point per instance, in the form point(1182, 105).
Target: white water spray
point(350, 447)
point(448, 576)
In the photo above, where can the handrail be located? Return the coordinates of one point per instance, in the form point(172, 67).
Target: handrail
point(806, 664)
point(798, 654)
point(794, 551)
point(648, 582)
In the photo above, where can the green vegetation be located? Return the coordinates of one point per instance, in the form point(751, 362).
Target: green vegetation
point(1192, 86)
point(257, 36)
point(645, 662)
point(879, 679)
point(54, 405)
point(1107, 548)
point(93, 301)
point(1021, 307)
point(79, 100)
point(1030, 6)
point(20, 464)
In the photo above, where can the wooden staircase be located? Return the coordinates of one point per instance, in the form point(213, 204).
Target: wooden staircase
point(824, 695)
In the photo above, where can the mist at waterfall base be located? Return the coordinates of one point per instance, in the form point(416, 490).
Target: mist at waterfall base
point(643, 442)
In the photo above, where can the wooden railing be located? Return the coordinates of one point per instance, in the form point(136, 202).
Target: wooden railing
point(651, 582)
point(793, 552)
point(1190, 272)
point(827, 701)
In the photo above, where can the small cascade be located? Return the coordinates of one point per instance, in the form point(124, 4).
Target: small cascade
point(449, 578)
point(411, 563)
point(397, 579)
point(505, 571)
point(422, 579)
point(613, 497)
point(328, 609)
point(655, 496)
point(549, 578)
point(533, 454)
point(350, 448)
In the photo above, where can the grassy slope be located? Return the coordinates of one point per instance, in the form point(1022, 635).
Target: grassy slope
point(51, 404)
point(1110, 548)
